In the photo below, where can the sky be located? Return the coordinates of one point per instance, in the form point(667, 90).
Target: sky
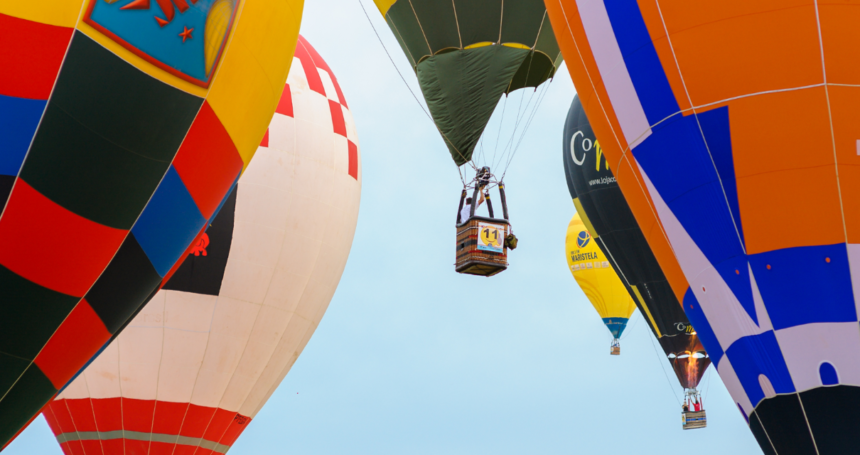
point(413, 358)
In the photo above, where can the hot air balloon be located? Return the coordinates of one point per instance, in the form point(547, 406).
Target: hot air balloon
point(727, 122)
point(597, 196)
point(598, 280)
point(467, 55)
point(199, 361)
point(123, 124)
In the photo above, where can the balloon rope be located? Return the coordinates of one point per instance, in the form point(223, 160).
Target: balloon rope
point(526, 127)
point(662, 368)
point(413, 93)
point(632, 326)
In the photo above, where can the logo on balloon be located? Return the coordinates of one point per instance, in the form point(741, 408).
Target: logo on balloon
point(586, 144)
point(183, 37)
point(583, 238)
point(200, 247)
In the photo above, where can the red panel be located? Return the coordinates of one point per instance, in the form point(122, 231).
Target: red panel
point(237, 426)
point(202, 451)
point(310, 68)
point(168, 417)
point(82, 414)
point(52, 246)
point(161, 448)
point(137, 414)
point(113, 446)
point(91, 447)
point(135, 447)
point(61, 416)
point(353, 160)
point(75, 447)
point(108, 412)
point(24, 75)
point(67, 449)
point(218, 425)
point(196, 420)
point(185, 450)
point(320, 63)
point(337, 117)
point(285, 104)
point(208, 161)
point(77, 339)
point(265, 141)
point(52, 421)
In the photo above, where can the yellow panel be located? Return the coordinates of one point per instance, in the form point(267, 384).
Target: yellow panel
point(384, 5)
point(139, 62)
point(248, 85)
point(595, 275)
point(647, 310)
point(63, 13)
point(590, 227)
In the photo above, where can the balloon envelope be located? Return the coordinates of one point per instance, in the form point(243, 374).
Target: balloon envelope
point(204, 355)
point(119, 138)
point(467, 54)
point(728, 121)
point(597, 279)
point(605, 211)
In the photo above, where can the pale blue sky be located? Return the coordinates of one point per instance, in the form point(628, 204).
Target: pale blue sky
point(412, 358)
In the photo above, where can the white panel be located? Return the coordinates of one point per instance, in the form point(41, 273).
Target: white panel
point(340, 157)
point(266, 169)
point(297, 79)
point(102, 376)
point(180, 363)
point(349, 121)
point(231, 329)
point(139, 361)
point(330, 91)
point(263, 206)
point(282, 134)
point(733, 384)
point(854, 264)
point(806, 347)
point(188, 311)
point(616, 78)
point(728, 319)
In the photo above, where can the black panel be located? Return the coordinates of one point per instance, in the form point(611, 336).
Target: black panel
point(203, 274)
point(6, 183)
point(10, 369)
point(783, 420)
point(618, 234)
point(29, 314)
point(124, 286)
point(834, 416)
point(24, 401)
point(107, 136)
point(760, 436)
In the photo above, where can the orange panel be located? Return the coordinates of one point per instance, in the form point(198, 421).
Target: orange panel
point(778, 131)
point(770, 204)
point(844, 105)
point(840, 34)
point(744, 52)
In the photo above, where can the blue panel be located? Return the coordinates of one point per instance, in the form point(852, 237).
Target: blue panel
point(641, 60)
point(735, 273)
point(755, 355)
point(801, 287)
point(616, 326)
point(715, 126)
point(19, 118)
point(169, 223)
point(702, 327)
point(828, 374)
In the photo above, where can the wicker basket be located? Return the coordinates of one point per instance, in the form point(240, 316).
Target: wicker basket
point(694, 419)
point(474, 256)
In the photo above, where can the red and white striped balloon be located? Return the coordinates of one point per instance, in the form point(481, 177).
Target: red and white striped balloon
point(204, 355)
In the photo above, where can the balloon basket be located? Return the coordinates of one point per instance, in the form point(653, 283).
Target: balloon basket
point(481, 246)
point(615, 347)
point(694, 419)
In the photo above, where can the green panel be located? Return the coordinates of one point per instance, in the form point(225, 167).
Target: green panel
point(479, 20)
point(10, 370)
point(107, 137)
point(405, 26)
point(24, 401)
point(438, 23)
point(462, 89)
point(521, 21)
point(29, 315)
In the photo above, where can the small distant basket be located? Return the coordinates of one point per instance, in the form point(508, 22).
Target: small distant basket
point(615, 347)
point(694, 419)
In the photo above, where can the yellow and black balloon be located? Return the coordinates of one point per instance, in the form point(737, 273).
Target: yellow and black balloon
point(597, 279)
